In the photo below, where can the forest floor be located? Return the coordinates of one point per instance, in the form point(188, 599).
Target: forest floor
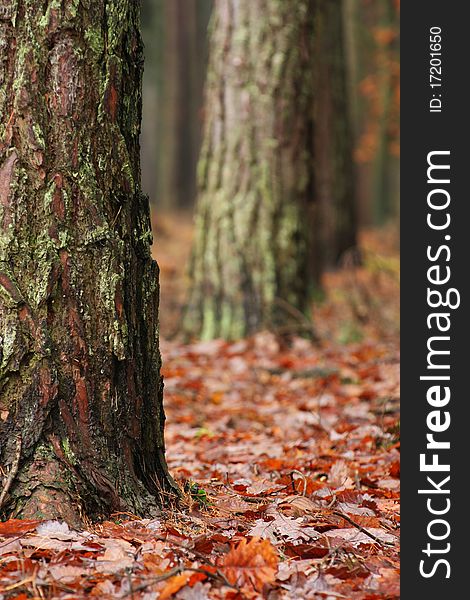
point(288, 454)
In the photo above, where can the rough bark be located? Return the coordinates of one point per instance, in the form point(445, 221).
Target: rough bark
point(80, 385)
point(252, 264)
point(334, 165)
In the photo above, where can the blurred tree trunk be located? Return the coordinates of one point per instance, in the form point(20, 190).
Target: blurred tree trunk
point(183, 60)
point(81, 416)
point(351, 27)
point(152, 33)
point(252, 263)
point(358, 62)
point(334, 166)
point(179, 57)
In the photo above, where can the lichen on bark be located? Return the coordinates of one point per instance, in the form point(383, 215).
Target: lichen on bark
point(79, 356)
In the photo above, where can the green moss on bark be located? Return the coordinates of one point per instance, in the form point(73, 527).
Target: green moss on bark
point(79, 359)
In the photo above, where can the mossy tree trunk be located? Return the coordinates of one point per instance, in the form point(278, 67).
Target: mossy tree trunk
point(252, 265)
point(334, 165)
point(81, 417)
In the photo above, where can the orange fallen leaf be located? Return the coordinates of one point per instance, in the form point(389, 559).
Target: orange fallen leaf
point(252, 563)
point(395, 469)
point(17, 526)
point(217, 397)
point(174, 585)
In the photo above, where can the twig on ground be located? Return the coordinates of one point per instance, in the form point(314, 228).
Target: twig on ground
point(362, 529)
point(217, 576)
point(302, 476)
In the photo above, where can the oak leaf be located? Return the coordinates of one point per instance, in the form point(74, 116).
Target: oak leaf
point(252, 563)
point(284, 528)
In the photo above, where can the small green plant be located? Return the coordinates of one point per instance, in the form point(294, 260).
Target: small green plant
point(197, 493)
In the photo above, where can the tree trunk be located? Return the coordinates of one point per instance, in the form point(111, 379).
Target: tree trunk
point(252, 263)
point(150, 139)
point(81, 416)
point(334, 166)
point(183, 61)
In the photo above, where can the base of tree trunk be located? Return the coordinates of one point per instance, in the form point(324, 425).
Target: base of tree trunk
point(81, 395)
point(49, 486)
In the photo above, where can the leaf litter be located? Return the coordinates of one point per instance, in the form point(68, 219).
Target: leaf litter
point(289, 458)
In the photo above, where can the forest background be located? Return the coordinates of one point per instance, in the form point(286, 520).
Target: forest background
point(176, 52)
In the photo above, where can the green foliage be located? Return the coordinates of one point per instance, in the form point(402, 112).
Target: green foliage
point(198, 494)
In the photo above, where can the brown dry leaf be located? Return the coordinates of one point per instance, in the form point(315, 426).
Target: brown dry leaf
point(389, 484)
point(66, 573)
point(354, 509)
point(298, 505)
point(58, 530)
point(252, 563)
point(321, 585)
point(104, 589)
point(263, 487)
point(339, 475)
point(8, 546)
point(233, 505)
point(199, 592)
point(174, 584)
point(288, 568)
point(284, 528)
point(115, 558)
point(356, 537)
point(155, 563)
point(40, 542)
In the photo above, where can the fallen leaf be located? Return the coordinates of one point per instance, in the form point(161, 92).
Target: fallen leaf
point(8, 546)
point(174, 584)
point(263, 487)
point(356, 537)
point(115, 558)
point(57, 530)
point(15, 527)
point(44, 543)
point(199, 592)
point(299, 505)
point(104, 589)
point(66, 573)
point(252, 563)
point(284, 528)
point(288, 568)
point(339, 475)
